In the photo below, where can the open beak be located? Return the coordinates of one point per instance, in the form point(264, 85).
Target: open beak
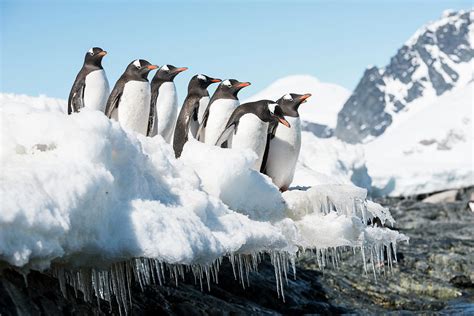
point(102, 53)
point(283, 121)
point(304, 97)
point(178, 70)
point(243, 84)
point(215, 80)
point(151, 67)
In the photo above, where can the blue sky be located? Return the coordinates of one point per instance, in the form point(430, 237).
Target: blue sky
point(43, 43)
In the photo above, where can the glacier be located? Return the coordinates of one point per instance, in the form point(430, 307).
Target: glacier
point(99, 206)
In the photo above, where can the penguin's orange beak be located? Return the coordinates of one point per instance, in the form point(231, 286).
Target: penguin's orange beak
point(216, 80)
point(304, 97)
point(178, 70)
point(102, 53)
point(283, 121)
point(151, 67)
point(243, 84)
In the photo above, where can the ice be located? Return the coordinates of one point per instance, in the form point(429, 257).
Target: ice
point(100, 207)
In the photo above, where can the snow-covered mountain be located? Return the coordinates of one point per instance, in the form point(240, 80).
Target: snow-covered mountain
point(436, 59)
point(320, 112)
point(430, 149)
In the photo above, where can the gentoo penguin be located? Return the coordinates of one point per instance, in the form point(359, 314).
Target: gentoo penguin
point(203, 81)
point(284, 144)
point(188, 117)
point(223, 102)
point(248, 127)
point(164, 102)
point(129, 102)
point(91, 88)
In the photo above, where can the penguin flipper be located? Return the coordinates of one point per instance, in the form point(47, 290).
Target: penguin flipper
point(226, 135)
point(203, 124)
point(113, 101)
point(76, 96)
point(272, 127)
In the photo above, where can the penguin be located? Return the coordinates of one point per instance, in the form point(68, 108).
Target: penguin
point(91, 87)
point(164, 102)
point(223, 102)
point(198, 114)
point(129, 102)
point(284, 144)
point(248, 126)
point(188, 117)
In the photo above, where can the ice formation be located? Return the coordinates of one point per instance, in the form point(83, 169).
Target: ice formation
point(100, 206)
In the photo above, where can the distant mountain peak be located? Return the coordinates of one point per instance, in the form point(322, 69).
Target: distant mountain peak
point(437, 58)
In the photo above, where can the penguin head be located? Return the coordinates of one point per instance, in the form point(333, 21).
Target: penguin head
point(168, 72)
point(231, 87)
point(289, 103)
point(201, 82)
point(139, 69)
point(265, 110)
point(94, 57)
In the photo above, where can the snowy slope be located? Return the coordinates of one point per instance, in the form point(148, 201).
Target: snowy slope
point(322, 108)
point(82, 191)
point(435, 60)
point(429, 149)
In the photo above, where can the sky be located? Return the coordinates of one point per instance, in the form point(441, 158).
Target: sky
point(43, 43)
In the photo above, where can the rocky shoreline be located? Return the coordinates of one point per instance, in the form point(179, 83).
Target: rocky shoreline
point(435, 272)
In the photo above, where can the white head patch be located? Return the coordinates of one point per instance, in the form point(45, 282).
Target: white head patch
point(227, 82)
point(165, 68)
point(137, 63)
point(271, 107)
point(91, 51)
point(288, 97)
point(202, 77)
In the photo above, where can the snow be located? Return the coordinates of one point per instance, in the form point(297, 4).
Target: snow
point(329, 160)
point(428, 149)
point(322, 107)
point(82, 191)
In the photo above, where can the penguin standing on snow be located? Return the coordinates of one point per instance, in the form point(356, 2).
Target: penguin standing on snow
point(198, 114)
point(164, 102)
point(248, 126)
point(129, 102)
point(91, 88)
point(284, 144)
point(188, 118)
point(223, 102)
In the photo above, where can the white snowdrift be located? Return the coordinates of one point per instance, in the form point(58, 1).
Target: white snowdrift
point(79, 190)
point(429, 149)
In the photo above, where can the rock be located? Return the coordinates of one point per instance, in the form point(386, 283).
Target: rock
point(442, 197)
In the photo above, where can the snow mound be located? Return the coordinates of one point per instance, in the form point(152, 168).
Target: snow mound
point(330, 161)
point(79, 193)
point(326, 101)
point(429, 149)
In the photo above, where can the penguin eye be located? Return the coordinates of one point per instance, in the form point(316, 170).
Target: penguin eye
point(288, 97)
point(227, 83)
point(165, 68)
point(91, 52)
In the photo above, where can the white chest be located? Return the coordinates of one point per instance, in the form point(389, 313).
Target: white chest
point(251, 134)
point(219, 114)
point(134, 107)
point(96, 90)
point(166, 109)
point(203, 103)
point(284, 151)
